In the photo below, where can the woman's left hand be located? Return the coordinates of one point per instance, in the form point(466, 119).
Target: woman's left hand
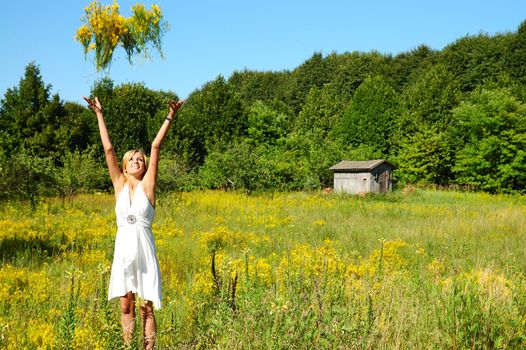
point(174, 107)
point(94, 104)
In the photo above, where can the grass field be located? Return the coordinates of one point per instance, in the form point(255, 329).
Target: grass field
point(415, 269)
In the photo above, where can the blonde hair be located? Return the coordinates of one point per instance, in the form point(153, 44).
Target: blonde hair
point(128, 156)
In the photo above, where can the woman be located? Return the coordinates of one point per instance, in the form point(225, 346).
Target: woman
point(135, 268)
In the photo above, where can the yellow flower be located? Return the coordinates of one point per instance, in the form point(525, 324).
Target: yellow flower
point(84, 338)
point(495, 286)
point(108, 29)
point(41, 335)
point(320, 222)
point(437, 267)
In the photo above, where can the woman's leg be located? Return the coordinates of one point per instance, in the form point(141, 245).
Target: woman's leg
point(128, 316)
point(148, 321)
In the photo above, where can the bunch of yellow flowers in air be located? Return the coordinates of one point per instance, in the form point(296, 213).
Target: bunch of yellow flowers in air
point(104, 28)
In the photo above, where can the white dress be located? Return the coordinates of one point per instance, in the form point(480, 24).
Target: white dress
point(135, 266)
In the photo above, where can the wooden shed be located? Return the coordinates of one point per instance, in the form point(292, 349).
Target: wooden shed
point(360, 177)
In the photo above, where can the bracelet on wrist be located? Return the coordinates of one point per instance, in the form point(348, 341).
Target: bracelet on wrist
point(169, 119)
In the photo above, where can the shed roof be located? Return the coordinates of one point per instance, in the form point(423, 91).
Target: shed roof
point(359, 165)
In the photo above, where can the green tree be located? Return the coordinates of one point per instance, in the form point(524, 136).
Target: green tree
point(351, 69)
point(372, 115)
point(312, 73)
point(424, 157)
point(322, 112)
point(211, 119)
point(262, 86)
point(514, 60)
point(29, 116)
point(175, 174)
point(422, 142)
point(103, 89)
point(474, 60)
point(128, 113)
point(80, 173)
point(26, 177)
point(77, 129)
point(428, 101)
point(235, 168)
point(492, 135)
point(406, 66)
point(266, 125)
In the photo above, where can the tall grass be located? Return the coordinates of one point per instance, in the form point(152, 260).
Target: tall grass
point(413, 270)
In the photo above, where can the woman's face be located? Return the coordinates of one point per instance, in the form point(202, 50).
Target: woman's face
point(136, 165)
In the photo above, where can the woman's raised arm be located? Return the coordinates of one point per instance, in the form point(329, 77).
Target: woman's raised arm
point(150, 177)
point(111, 158)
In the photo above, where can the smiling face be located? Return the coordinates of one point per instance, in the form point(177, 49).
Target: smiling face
point(134, 164)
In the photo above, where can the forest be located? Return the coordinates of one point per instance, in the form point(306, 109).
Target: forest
point(454, 117)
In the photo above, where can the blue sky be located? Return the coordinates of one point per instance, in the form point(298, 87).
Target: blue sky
point(209, 38)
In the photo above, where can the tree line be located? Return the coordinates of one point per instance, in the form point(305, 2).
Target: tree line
point(455, 116)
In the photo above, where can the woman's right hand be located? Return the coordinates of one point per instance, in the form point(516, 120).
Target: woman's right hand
point(94, 104)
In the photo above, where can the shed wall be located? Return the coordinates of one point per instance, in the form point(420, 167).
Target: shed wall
point(353, 183)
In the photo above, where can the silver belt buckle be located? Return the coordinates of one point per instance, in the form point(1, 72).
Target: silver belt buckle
point(131, 219)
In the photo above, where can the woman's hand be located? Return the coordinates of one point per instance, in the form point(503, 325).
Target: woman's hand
point(174, 107)
point(94, 104)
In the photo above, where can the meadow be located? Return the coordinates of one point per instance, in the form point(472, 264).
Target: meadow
point(414, 269)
